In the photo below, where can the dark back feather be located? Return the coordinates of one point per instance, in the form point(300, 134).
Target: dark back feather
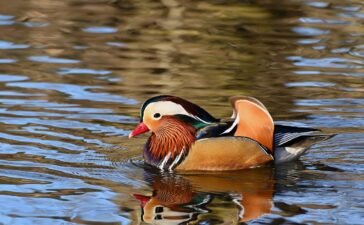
point(215, 130)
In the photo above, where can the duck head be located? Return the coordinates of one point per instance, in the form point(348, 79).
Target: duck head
point(173, 123)
point(154, 111)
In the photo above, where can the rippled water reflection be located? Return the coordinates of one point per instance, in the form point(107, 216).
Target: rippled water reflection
point(73, 75)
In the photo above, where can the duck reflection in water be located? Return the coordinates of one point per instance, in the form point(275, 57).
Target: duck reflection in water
point(231, 197)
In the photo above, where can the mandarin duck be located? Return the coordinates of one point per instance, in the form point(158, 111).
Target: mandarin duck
point(186, 137)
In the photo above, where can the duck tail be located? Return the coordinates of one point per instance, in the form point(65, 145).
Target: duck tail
point(300, 145)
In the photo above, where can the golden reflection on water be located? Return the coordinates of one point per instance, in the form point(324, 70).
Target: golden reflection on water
point(191, 198)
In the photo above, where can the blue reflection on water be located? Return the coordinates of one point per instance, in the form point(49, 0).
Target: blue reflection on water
point(64, 71)
point(48, 59)
point(101, 30)
point(75, 91)
point(11, 45)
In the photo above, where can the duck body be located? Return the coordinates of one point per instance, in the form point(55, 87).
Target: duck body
point(185, 137)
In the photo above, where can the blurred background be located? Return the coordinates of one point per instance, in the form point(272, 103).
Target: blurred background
point(74, 73)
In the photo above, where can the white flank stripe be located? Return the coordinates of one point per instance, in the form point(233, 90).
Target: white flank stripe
point(236, 121)
point(163, 163)
point(176, 160)
point(242, 209)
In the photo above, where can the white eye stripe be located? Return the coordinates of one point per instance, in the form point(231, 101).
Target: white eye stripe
point(165, 108)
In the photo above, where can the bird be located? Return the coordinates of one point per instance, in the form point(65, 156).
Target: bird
point(185, 137)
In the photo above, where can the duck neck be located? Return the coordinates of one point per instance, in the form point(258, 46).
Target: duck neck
point(167, 146)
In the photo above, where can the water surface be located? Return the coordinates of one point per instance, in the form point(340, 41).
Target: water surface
point(74, 73)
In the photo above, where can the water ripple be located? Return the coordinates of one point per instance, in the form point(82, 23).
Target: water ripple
point(67, 124)
point(52, 143)
point(357, 51)
point(327, 62)
point(101, 30)
point(310, 31)
point(35, 24)
point(6, 20)
point(11, 78)
point(64, 71)
point(310, 84)
point(317, 4)
point(11, 45)
point(75, 91)
point(46, 131)
point(48, 59)
point(4, 61)
point(6, 17)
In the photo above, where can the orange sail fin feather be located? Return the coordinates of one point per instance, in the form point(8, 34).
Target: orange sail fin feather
point(253, 121)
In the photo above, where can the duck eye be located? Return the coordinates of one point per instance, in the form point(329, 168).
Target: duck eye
point(157, 115)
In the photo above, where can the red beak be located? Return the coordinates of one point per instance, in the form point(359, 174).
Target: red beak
point(140, 129)
point(143, 199)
